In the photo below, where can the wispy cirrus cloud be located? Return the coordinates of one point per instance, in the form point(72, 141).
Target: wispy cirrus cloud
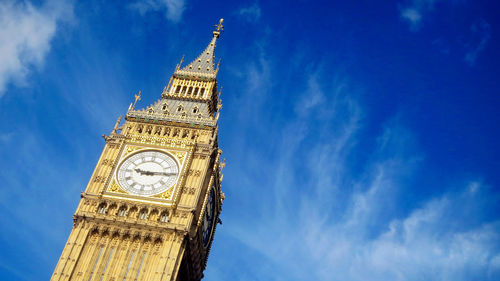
point(26, 32)
point(324, 212)
point(173, 8)
point(250, 13)
point(481, 34)
point(350, 225)
point(414, 11)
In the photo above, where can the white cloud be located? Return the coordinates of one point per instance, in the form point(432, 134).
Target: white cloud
point(367, 241)
point(412, 15)
point(173, 8)
point(481, 33)
point(318, 219)
point(26, 32)
point(414, 11)
point(313, 97)
point(251, 13)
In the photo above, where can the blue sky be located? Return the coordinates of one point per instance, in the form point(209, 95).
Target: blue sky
point(360, 136)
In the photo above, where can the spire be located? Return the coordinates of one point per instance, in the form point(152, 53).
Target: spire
point(203, 66)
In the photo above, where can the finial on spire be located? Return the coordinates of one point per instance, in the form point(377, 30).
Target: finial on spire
point(137, 98)
point(219, 27)
point(179, 64)
point(116, 128)
point(217, 68)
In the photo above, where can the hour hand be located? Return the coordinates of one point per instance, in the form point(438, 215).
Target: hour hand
point(142, 172)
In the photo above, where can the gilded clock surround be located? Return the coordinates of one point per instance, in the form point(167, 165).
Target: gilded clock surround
point(118, 235)
point(181, 155)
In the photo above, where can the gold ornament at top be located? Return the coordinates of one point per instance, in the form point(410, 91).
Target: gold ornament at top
point(219, 26)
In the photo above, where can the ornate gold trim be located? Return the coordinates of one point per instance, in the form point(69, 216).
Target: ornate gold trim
point(180, 156)
point(130, 149)
point(115, 187)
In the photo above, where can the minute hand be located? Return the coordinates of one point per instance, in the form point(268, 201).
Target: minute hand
point(163, 174)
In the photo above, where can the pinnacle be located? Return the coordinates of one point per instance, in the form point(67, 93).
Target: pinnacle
point(203, 66)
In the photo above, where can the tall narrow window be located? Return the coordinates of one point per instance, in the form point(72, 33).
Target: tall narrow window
point(164, 217)
point(178, 89)
point(107, 262)
point(129, 265)
point(102, 209)
point(190, 91)
point(122, 212)
point(96, 263)
point(195, 93)
point(202, 92)
point(144, 214)
point(140, 266)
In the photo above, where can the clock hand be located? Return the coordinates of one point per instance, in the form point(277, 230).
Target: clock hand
point(150, 173)
point(142, 172)
point(164, 174)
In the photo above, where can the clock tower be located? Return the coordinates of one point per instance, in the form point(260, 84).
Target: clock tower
point(151, 207)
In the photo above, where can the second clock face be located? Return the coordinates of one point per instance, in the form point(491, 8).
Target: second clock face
point(208, 217)
point(147, 173)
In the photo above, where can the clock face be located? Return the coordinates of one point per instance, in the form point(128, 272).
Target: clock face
point(147, 173)
point(208, 217)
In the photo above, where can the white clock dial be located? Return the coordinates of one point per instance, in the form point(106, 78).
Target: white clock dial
point(147, 173)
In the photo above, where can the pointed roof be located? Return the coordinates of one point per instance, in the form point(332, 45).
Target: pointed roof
point(203, 66)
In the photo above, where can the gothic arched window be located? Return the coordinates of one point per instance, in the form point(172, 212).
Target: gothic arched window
point(122, 211)
point(164, 217)
point(102, 208)
point(143, 214)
